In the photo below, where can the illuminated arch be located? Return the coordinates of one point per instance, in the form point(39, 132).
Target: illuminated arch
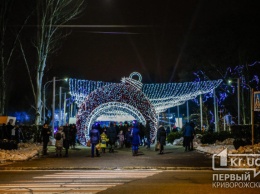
point(125, 97)
point(131, 97)
point(117, 109)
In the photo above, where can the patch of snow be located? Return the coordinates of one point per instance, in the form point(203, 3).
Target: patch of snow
point(25, 151)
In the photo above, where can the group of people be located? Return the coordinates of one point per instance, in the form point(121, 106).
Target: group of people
point(101, 139)
point(11, 132)
point(65, 138)
point(108, 137)
point(188, 136)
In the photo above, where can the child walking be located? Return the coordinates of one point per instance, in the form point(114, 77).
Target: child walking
point(104, 140)
point(121, 139)
point(59, 136)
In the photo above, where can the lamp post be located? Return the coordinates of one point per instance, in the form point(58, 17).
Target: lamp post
point(215, 111)
point(53, 106)
point(60, 106)
point(251, 110)
point(238, 100)
point(188, 112)
point(64, 113)
point(53, 98)
point(44, 99)
point(201, 114)
point(251, 103)
point(62, 119)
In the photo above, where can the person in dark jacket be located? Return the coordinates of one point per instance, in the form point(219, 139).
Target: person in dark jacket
point(135, 134)
point(9, 128)
point(46, 132)
point(161, 138)
point(4, 131)
point(148, 134)
point(72, 135)
point(94, 140)
point(128, 138)
point(188, 132)
point(112, 136)
point(66, 141)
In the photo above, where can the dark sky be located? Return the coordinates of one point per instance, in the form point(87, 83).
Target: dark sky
point(155, 39)
point(159, 39)
point(150, 43)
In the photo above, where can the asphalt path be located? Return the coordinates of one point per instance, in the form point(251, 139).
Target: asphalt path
point(115, 182)
point(174, 157)
point(176, 171)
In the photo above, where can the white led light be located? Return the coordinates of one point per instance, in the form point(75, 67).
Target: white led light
point(142, 101)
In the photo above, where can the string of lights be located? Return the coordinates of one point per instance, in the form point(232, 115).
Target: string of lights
point(115, 99)
point(143, 101)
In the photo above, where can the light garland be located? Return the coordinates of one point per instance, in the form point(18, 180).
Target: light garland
point(114, 98)
point(143, 101)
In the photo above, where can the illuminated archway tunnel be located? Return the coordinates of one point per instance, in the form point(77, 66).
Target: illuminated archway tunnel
point(142, 101)
point(125, 97)
point(114, 109)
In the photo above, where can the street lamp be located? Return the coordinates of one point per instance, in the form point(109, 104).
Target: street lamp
point(62, 121)
point(44, 97)
point(251, 103)
point(238, 99)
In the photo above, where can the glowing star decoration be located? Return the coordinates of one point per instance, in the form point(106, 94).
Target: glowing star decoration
point(130, 97)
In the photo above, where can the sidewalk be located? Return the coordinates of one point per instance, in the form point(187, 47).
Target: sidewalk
point(174, 157)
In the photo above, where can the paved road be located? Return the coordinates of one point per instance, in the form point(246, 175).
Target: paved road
point(113, 182)
point(175, 171)
point(79, 158)
point(87, 181)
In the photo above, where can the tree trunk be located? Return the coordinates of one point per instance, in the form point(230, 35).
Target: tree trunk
point(38, 102)
point(3, 92)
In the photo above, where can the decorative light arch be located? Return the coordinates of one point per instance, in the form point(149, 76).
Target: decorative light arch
point(115, 109)
point(123, 97)
point(147, 99)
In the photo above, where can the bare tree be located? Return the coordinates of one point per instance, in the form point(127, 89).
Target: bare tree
point(8, 43)
point(51, 14)
point(4, 62)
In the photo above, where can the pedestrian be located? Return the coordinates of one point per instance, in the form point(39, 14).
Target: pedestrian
point(45, 133)
point(13, 132)
point(161, 138)
point(112, 136)
point(94, 139)
point(141, 133)
point(4, 131)
point(66, 141)
point(187, 134)
point(17, 133)
point(135, 134)
point(168, 130)
point(148, 134)
point(128, 138)
point(9, 130)
point(72, 136)
point(121, 139)
point(104, 140)
point(59, 136)
point(192, 136)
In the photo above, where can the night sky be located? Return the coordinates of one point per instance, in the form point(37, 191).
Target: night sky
point(164, 40)
point(158, 38)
